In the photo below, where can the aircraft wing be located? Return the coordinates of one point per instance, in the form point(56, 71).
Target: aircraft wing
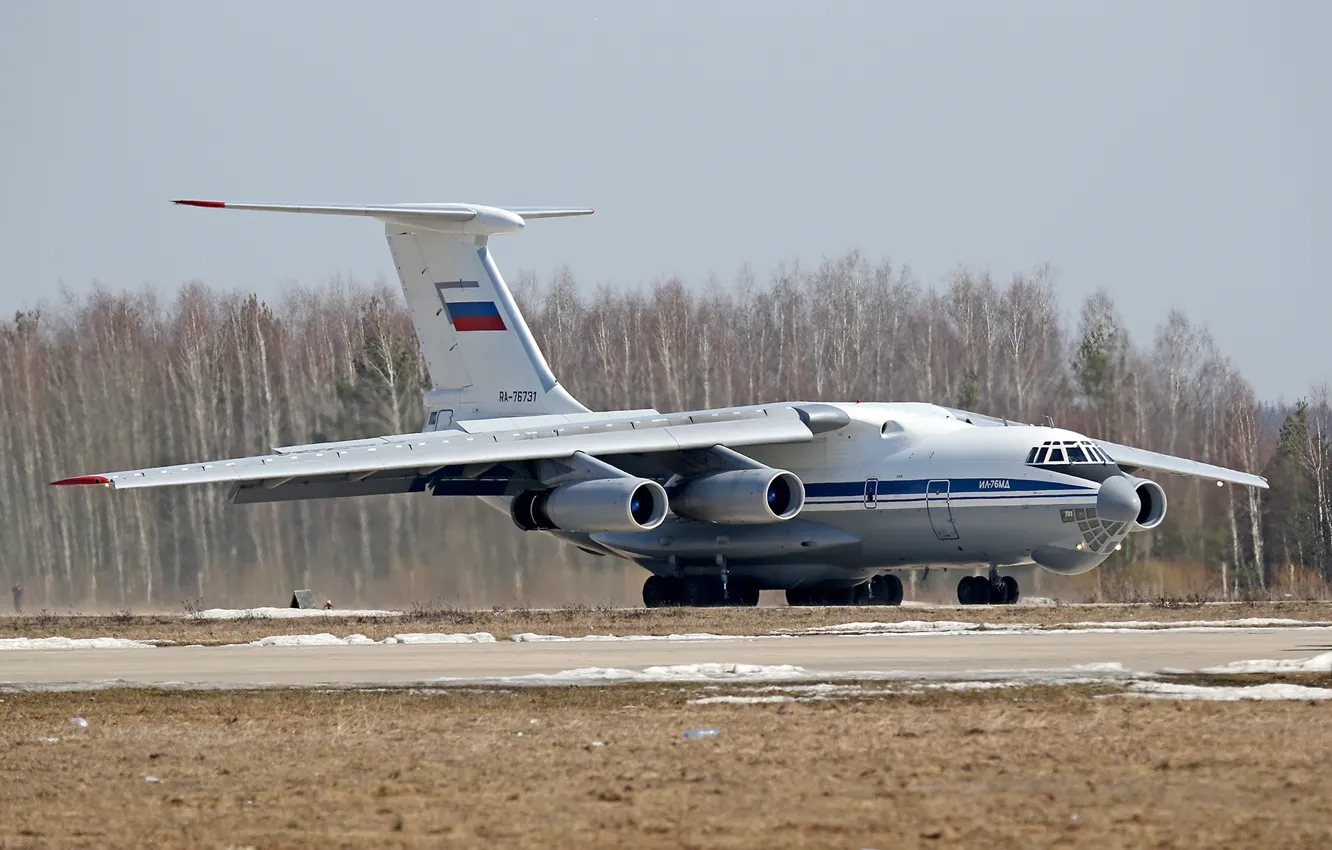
point(425, 454)
point(1131, 459)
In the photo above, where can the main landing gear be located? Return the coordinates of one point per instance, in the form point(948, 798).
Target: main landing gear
point(880, 590)
point(705, 591)
point(987, 590)
point(700, 592)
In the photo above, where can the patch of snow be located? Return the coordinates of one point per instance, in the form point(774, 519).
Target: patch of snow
point(956, 627)
point(531, 637)
point(74, 643)
point(1316, 664)
point(326, 639)
point(740, 700)
point(426, 637)
point(822, 689)
point(1241, 623)
point(900, 627)
point(976, 686)
point(669, 673)
point(285, 613)
point(1271, 691)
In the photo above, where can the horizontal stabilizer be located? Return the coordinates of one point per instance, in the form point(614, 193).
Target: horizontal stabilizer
point(549, 212)
point(453, 219)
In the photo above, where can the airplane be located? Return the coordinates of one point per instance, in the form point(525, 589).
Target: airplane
point(826, 501)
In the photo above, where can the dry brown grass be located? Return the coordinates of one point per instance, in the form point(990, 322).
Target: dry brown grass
point(1027, 768)
point(579, 621)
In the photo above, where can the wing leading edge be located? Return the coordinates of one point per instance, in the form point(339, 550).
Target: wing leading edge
point(1130, 459)
point(434, 450)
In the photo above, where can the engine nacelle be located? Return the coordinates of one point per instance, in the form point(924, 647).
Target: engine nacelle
point(592, 505)
point(1153, 508)
point(741, 496)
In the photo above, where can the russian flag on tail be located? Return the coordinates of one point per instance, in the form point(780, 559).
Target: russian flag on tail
point(475, 316)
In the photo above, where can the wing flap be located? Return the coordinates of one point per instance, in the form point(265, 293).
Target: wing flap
point(1133, 459)
point(432, 451)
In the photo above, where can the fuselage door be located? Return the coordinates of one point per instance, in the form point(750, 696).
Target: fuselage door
point(940, 510)
point(871, 493)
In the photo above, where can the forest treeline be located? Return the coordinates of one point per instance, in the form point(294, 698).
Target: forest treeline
point(115, 380)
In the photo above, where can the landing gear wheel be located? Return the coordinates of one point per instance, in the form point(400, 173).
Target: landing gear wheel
point(654, 592)
point(973, 590)
point(663, 592)
point(1010, 590)
point(674, 590)
point(885, 590)
point(702, 591)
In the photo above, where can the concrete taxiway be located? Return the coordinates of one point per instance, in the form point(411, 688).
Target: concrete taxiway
point(254, 666)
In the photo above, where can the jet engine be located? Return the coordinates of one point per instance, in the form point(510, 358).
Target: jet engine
point(741, 496)
point(1153, 508)
point(592, 505)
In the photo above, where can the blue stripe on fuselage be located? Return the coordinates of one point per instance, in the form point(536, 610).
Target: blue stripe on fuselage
point(958, 488)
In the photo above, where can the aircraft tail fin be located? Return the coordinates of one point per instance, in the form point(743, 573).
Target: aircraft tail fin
point(483, 360)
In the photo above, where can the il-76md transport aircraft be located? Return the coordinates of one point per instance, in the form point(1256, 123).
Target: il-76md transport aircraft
point(824, 501)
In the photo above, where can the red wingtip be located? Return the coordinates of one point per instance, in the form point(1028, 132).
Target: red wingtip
point(81, 479)
point(214, 204)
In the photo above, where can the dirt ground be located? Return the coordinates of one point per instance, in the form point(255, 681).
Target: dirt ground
point(579, 621)
point(609, 767)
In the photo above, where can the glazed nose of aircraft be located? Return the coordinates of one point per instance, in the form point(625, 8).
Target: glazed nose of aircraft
point(1118, 500)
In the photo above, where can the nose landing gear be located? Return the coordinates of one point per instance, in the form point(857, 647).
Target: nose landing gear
point(991, 590)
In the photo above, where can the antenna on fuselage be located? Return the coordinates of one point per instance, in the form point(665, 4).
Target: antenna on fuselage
point(1049, 421)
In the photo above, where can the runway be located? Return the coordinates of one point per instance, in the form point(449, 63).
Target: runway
point(823, 656)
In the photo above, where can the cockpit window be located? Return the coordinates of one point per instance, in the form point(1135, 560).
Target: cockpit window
point(1067, 452)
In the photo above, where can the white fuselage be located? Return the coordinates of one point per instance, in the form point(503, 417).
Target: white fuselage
point(902, 486)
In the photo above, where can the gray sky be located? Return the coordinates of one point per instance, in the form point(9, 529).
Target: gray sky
point(1173, 153)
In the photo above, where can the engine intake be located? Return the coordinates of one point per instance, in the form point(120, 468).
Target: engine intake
point(740, 496)
point(1153, 508)
point(593, 505)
